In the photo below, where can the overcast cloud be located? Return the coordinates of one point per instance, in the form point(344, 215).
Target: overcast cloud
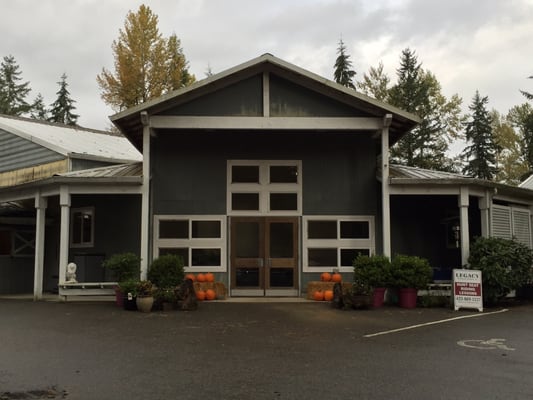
point(468, 44)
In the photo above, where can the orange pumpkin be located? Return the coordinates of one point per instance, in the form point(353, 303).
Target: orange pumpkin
point(190, 276)
point(318, 295)
point(200, 277)
point(200, 295)
point(325, 277)
point(328, 295)
point(336, 277)
point(209, 277)
point(210, 294)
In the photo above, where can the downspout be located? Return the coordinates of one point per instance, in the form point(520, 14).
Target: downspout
point(145, 194)
point(385, 192)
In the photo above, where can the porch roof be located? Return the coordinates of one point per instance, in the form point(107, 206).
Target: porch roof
point(72, 141)
point(129, 121)
point(403, 177)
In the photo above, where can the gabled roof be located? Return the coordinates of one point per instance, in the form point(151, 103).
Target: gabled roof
point(129, 121)
point(72, 141)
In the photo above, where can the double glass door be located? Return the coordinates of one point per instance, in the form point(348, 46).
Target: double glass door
point(264, 256)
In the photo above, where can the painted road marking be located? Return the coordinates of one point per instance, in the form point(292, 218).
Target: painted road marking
point(490, 344)
point(442, 321)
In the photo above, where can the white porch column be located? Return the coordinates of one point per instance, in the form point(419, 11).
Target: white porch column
point(64, 240)
point(385, 193)
point(40, 221)
point(465, 230)
point(145, 202)
point(484, 209)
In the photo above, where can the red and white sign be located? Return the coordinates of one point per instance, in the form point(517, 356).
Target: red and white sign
point(467, 289)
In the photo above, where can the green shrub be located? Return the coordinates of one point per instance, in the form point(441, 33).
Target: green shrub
point(505, 266)
point(166, 271)
point(129, 286)
point(124, 266)
point(373, 271)
point(410, 272)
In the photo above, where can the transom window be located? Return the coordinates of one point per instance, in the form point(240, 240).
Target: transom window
point(271, 187)
point(198, 240)
point(82, 227)
point(334, 242)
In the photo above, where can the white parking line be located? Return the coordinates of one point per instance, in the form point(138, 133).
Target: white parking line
point(442, 321)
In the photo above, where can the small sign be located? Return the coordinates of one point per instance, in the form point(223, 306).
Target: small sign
point(467, 289)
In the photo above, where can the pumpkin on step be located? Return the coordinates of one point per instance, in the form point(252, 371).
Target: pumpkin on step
point(336, 277)
point(328, 295)
point(325, 277)
point(318, 295)
point(210, 294)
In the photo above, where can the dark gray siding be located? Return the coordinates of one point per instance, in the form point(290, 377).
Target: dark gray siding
point(117, 230)
point(16, 275)
point(16, 152)
point(244, 98)
point(288, 99)
point(189, 170)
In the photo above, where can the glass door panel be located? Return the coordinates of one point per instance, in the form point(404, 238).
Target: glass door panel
point(264, 256)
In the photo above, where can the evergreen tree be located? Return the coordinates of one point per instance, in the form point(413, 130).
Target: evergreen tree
point(419, 92)
point(146, 64)
point(344, 74)
point(480, 153)
point(527, 95)
point(375, 83)
point(12, 93)
point(61, 110)
point(38, 108)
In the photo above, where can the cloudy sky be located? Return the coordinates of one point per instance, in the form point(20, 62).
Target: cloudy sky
point(468, 44)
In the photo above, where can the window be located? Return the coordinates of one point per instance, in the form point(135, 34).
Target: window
point(198, 240)
point(264, 187)
point(82, 227)
point(334, 242)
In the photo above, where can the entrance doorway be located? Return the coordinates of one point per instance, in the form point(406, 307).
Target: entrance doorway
point(264, 256)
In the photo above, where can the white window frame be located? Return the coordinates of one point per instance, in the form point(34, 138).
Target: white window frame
point(264, 188)
point(194, 243)
point(337, 243)
point(83, 210)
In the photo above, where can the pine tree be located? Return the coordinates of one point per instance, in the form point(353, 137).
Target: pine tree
point(521, 118)
point(38, 108)
point(146, 64)
point(344, 74)
point(61, 110)
point(419, 92)
point(12, 93)
point(527, 95)
point(480, 153)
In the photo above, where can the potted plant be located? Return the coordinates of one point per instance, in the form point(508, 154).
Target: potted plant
point(373, 271)
point(124, 267)
point(129, 290)
point(145, 298)
point(361, 295)
point(166, 271)
point(409, 274)
point(164, 299)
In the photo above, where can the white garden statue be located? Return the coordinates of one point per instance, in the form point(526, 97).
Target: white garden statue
point(71, 273)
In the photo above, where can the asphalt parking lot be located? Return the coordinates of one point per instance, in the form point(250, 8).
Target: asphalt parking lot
point(226, 350)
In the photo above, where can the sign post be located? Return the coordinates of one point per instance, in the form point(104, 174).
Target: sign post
point(467, 289)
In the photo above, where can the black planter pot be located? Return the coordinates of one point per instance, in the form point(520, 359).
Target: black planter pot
point(130, 303)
